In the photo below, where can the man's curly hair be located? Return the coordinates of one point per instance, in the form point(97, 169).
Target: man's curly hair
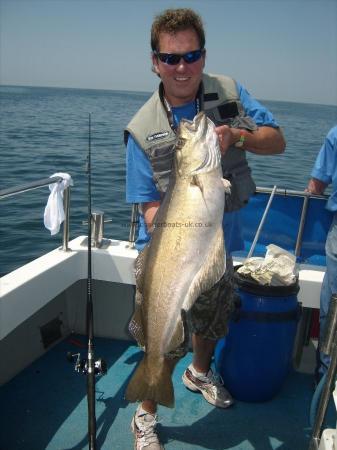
point(173, 20)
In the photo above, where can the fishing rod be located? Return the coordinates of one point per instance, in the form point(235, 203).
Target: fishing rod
point(90, 323)
point(89, 366)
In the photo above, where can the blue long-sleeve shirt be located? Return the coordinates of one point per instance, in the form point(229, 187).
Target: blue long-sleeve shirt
point(325, 168)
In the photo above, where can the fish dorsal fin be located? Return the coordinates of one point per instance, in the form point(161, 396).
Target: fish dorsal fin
point(136, 325)
point(139, 267)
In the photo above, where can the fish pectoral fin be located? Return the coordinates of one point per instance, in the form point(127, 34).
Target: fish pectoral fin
point(196, 181)
point(210, 272)
point(179, 341)
point(227, 185)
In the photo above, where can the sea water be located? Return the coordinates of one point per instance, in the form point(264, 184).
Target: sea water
point(45, 130)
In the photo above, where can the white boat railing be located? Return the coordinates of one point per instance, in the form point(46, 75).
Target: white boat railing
point(289, 192)
point(292, 193)
point(263, 190)
point(4, 193)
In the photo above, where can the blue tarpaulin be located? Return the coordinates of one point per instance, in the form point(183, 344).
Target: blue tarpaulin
point(282, 223)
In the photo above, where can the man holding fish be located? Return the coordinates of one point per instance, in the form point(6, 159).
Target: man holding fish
point(186, 167)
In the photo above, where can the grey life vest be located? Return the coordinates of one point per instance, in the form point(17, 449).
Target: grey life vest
point(155, 135)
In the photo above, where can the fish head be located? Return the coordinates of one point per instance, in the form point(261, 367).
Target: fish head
point(197, 149)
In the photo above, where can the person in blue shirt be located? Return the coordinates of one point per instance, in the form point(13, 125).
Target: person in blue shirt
point(324, 173)
point(242, 124)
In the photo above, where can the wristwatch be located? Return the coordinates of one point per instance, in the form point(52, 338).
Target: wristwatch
point(241, 141)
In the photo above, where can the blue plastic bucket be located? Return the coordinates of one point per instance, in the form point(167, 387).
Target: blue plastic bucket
point(256, 355)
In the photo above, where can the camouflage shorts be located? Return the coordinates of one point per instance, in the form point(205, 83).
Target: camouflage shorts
point(210, 313)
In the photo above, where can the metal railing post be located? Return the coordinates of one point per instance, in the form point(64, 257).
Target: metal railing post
point(301, 225)
point(66, 206)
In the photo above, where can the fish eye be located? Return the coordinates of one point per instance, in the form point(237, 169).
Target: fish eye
point(180, 143)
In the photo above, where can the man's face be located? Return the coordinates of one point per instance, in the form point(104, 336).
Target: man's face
point(181, 81)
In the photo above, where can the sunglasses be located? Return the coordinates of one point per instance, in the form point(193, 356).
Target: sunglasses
point(174, 58)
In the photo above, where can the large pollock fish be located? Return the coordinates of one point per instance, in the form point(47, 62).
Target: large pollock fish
point(184, 258)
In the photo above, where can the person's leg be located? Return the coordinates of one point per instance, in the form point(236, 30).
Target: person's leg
point(199, 377)
point(323, 360)
point(209, 318)
point(203, 350)
point(144, 420)
point(329, 287)
point(149, 406)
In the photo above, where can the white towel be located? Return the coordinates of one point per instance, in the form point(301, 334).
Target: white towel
point(54, 212)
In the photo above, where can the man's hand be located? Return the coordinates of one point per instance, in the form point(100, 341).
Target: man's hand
point(149, 211)
point(316, 186)
point(227, 137)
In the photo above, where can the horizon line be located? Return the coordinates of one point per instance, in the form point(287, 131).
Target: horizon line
point(148, 92)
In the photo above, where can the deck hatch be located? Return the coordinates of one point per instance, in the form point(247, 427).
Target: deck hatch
point(51, 332)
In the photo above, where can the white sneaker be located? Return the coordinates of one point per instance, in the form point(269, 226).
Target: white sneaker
point(210, 386)
point(143, 426)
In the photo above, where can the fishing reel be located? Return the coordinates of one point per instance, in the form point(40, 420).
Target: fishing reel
point(81, 364)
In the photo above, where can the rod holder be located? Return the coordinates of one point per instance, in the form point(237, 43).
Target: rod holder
point(97, 228)
point(133, 224)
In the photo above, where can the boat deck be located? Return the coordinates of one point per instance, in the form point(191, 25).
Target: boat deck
point(45, 407)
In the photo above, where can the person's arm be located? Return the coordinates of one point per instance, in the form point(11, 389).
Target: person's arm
point(325, 164)
point(265, 140)
point(268, 139)
point(140, 186)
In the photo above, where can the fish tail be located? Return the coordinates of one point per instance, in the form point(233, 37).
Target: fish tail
point(152, 381)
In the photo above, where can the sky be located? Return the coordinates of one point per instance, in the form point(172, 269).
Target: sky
point(278, 49)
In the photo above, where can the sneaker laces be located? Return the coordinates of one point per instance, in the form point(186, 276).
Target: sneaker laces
point(214, 381)
point(147, 429)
